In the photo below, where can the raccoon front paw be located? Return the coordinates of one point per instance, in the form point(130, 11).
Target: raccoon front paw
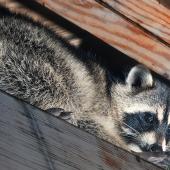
point(61, 113)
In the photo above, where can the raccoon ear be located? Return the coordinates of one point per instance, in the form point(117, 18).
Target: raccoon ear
point(139, 77)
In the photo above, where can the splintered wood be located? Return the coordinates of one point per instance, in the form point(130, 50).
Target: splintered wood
point(32, 139)
point(139, 29)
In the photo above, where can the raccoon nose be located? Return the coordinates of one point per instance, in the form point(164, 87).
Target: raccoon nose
point(155, 148)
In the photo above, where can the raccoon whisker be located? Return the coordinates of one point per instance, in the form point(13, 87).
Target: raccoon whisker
point(131, 134)
point(129, 137)
point(131, 128)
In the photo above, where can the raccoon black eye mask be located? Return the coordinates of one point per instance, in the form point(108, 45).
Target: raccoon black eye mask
point(40, 68)
point(146, 131)
point(139, 124)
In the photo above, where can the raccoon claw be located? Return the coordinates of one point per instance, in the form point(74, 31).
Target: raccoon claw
point(61, 113)
point(55, 111)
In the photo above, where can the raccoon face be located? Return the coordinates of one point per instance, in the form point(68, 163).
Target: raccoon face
point(143, 112)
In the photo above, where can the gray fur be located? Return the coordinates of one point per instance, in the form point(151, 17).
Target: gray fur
point(38, 67)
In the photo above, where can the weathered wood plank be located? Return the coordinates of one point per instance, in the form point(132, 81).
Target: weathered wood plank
point(150, 15)
point(116, 31)
point(33, 139)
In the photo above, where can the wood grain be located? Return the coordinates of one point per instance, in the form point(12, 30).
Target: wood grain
point(115, 30)
point(150, 15)
point(31, 139)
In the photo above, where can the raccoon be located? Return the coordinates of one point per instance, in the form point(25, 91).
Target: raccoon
point(38, 67)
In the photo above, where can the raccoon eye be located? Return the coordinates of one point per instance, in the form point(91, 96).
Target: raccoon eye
point(149, 117)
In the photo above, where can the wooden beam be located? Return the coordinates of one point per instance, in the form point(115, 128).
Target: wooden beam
point(31, 139)
point(118, 30)
point(150, 15)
